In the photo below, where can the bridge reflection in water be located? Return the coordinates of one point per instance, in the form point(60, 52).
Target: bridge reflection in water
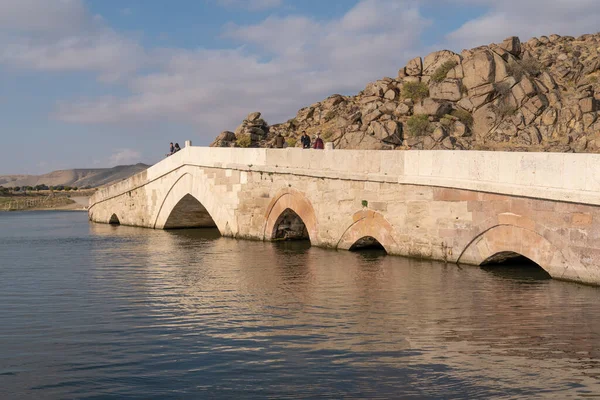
point(420, 326)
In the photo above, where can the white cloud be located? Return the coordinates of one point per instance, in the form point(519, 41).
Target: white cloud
point(254, 5)
point(42, 16)
point(526, 19)
point(283, 65)
point(107, 53)
point(60, 35)
point(124, 157)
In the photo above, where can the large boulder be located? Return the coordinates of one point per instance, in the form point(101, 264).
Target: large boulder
point(435, 60)
point(448, 89)
point(478, 69)
point(512, 45)
point(388, 131)
point(225, 139)
point(433, 107)
point(253, 116)
point(414, 67)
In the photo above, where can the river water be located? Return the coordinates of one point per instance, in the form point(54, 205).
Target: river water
point(98, 311)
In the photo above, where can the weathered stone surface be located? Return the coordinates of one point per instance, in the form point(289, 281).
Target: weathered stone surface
point(390, 95)
point(333, 101)
point(501, 68)
point(527, 87)
point(482, 99)
point(438, 134)
point(456, 72)
point(432, 107)
point(389, 131)
point(478, 69)
point(253, 116)
point(512, 45)
point(466, 104)
point(481, 90)
point(402, 109)
point(449, 89)
point(225, 139)
point(549, 116)
point(459, 129)
point(435, 60)
point(414, 67)
point(588, 104)
point(483, 120)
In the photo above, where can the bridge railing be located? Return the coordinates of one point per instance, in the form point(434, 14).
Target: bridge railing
point(554, 176)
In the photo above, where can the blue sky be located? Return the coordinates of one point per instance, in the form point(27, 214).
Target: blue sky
point(96, 83)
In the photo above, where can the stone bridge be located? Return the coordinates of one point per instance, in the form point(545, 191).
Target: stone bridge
point(466, 207)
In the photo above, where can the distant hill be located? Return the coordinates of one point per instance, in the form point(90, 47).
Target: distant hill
point(75, 177)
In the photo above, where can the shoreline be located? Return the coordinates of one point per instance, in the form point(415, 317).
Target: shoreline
point(79, 203)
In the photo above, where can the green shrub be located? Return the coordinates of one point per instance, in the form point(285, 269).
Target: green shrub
point(446, 122)
point(463, 116)
point(505, 109)
point(527, 66)
point(441, 72)
point(291, 142)
point(243, 140)
point(503, 89)
point(418, 125)
point(415, 90)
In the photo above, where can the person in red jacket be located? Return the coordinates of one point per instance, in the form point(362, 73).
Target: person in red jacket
point(318, 143)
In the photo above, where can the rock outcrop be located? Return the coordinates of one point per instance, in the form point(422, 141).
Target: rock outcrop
point(541, 95)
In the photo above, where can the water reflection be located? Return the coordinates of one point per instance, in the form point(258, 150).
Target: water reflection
point(366, 310)
point(145, 313)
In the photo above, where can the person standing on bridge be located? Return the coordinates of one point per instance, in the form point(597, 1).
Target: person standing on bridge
point(176, 148)
point(171, 149)
point(279, 141)
point(318, 142)
point(305, 140)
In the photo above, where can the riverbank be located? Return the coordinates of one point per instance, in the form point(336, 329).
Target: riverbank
point(40, 202)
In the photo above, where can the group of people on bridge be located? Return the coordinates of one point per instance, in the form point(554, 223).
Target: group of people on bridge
point(304, 139)
point(173, 149)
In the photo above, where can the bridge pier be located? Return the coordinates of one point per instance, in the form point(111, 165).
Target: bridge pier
point(462, 207)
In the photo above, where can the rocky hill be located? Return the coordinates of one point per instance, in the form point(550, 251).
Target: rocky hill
point(541, 95)
point(75, 177)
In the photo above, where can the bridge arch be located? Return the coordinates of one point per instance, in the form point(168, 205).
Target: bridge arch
point(290, 203)
point(189, 203)
point(507, 240)
point(368, 226)
point(114, 220)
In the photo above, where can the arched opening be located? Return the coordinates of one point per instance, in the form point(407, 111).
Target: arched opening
point(114, 220)
point(510, 264)
point(189, 213)
point(289, 226)
point(367, 243)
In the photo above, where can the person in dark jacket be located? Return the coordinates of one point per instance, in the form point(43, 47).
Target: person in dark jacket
point(318, 143)
point(177, 148)
point(305, 140)
point(279, 141)
point(171, 149)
